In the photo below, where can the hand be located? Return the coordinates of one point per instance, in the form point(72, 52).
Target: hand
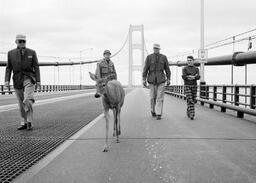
point(190, 77)
point(7, 84)
point(168, 82)
point(144, 83)
point(38, 85)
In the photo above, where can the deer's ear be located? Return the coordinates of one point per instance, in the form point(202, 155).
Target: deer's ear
point(93, 76)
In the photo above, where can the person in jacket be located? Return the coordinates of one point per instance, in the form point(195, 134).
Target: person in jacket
point(23, 63)
point(190, 75)
point(105, 68)
point(156, 72)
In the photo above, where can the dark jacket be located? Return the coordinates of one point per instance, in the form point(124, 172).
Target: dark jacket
point(190, 70)
point(21, 65)
point(106, 69)
point(154, 68)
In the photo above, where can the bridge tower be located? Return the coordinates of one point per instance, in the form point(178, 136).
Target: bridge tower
point(132, 46)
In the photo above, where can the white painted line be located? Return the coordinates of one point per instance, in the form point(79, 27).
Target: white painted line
point(51, 156)
point(45, 101)
point(9, 96)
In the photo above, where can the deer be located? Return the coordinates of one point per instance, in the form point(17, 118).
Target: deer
point(112, 94)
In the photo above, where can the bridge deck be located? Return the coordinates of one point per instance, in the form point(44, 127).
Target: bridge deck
point(215, 147)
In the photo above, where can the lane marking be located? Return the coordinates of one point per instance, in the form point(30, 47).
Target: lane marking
point(32, 171)
point(40, 94)
point(45, 101)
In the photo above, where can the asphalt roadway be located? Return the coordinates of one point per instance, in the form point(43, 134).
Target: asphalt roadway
point(215, 147)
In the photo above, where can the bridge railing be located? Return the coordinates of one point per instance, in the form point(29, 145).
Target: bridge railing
point(240, 98)
point(48, 88)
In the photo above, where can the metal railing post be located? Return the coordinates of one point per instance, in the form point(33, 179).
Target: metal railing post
point(252, 97)
point(2, 89)
point(207, 92)
point(224, 97)
point(239, 113)
point(202, 92)
point(236, 94)
point(214, 97)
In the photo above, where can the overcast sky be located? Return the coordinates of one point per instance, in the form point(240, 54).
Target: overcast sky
point(64, 27)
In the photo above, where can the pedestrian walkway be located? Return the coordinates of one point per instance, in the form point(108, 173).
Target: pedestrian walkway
point(215, 147)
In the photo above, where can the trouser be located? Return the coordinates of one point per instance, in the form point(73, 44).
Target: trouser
point(26, 100)
point(191, 92)
point(157, 98)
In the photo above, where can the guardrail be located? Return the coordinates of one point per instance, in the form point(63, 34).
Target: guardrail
point(48, 88)
point(240, 98)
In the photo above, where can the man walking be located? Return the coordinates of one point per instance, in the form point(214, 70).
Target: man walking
point(190, 75)
point(23, 63)
point(105, 68)
point(153, 73)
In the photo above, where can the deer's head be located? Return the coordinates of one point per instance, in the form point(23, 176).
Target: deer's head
point(100, 85)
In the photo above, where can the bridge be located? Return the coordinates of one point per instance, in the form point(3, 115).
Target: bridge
point(66, 142)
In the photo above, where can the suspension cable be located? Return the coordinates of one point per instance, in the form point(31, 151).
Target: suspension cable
point(231, 42)
point(121, 47)
point(240, 34)
point(145, 47)
point(96, 60)
point(224, 44)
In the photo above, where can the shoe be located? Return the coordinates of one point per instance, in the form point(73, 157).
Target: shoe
point(153, 114)
point(22, 127)
point(29, 126)
point(158, 117)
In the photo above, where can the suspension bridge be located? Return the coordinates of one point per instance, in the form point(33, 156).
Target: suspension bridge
point(66, 142)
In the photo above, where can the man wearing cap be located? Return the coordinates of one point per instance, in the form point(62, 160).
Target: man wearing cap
point(190, 75)
point(23, 63)
point(156, 72)
point(105, 68)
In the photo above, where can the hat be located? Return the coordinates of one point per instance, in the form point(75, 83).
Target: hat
point(156, 46)
point(107, 51)
point(21, 37)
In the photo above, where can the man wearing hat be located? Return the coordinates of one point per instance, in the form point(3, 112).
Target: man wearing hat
point(23, 63)
point(105, 68)
point(156, 72)
point(190, 75)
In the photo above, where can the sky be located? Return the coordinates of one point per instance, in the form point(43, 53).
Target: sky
point(66, 28)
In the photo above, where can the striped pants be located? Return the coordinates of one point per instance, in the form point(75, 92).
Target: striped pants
point(190, 92)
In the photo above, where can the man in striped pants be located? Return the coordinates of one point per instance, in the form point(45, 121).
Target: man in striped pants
point(190, 75)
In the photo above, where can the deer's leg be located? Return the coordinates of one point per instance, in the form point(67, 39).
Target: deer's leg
point(115, 121)
point(106, 147)
point(119, 121)
point(118, 132)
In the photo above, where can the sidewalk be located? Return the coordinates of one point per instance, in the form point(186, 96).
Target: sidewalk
point(152, 151)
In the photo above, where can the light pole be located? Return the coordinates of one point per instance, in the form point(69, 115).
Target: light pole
point(202, 50)
point(81, 63)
